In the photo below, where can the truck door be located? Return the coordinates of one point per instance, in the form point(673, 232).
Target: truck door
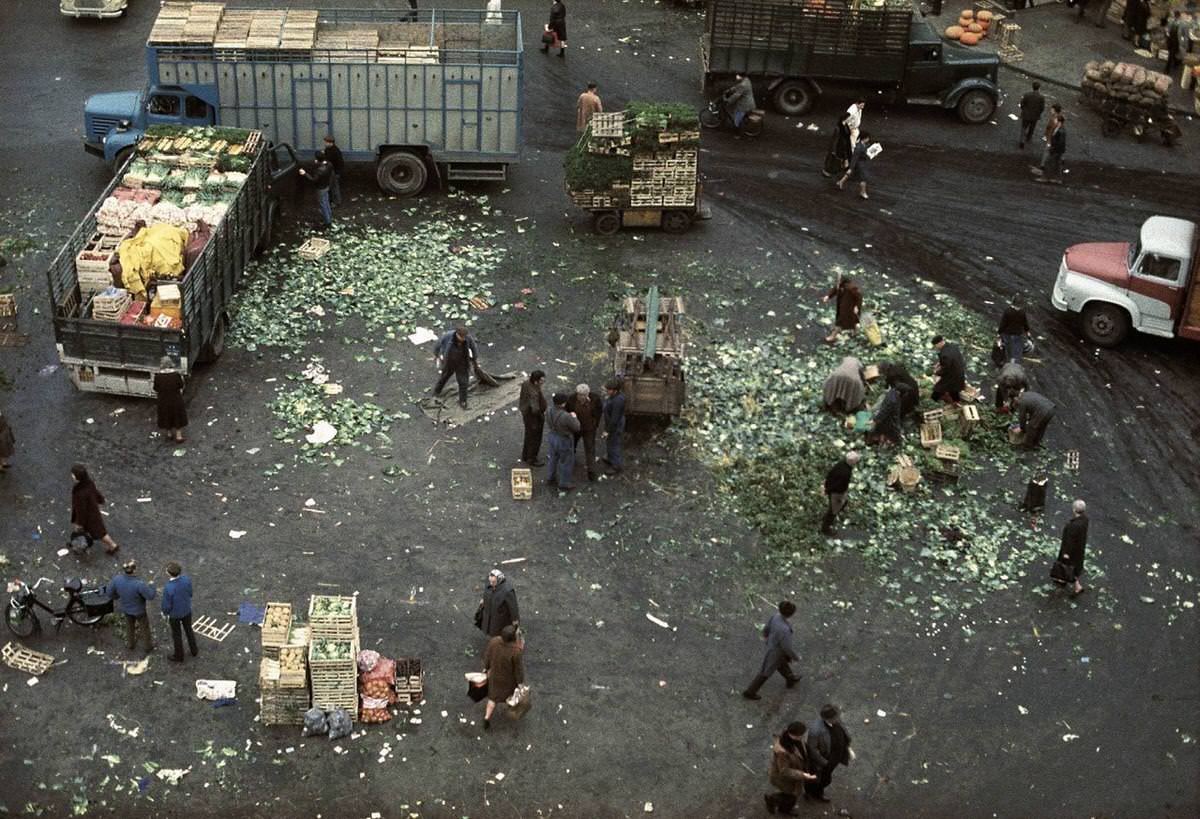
point(164, 108)
point(312, 112)
point(925, 76)
point(463, 103)
point(1156, 287)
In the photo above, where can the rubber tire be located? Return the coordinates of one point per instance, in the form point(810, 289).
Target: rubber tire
point(1110, 127)
point(794, 98)
point(676, 222)
point(710, 118)
point(26, 626)
point(976, 106)
point(751, 130)
point(401, 173)
point(120, 159)
point(79, 616)
point(606, 222)
point(1104, 325)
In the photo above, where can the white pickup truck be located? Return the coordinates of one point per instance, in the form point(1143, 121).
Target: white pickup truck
point(1152, 285)
point(92, 8)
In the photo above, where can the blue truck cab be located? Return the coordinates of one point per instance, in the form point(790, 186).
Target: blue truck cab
point(114, 122)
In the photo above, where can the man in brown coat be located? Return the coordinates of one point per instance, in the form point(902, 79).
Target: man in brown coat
point(532, 405)
point(589, 103)
point(789, 770)
point(505, 669)
point(588, 410)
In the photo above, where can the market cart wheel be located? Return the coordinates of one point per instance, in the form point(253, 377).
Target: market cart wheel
point(606, 222)
point(676, 221)
point(402, 174)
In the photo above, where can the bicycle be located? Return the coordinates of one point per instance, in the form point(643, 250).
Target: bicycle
point(21, 617)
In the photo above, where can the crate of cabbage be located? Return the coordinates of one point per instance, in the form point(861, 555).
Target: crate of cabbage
point(334, 674)
point(333, 617)
point(638, 168)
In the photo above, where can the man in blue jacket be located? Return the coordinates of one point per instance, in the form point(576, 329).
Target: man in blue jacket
point(614, 425)
point(177, 608)
point(131, 595)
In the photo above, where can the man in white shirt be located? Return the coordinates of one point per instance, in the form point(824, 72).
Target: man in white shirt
point(853, 120)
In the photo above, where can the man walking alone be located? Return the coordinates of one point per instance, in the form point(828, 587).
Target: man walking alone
point(1032, 106)
point(456, 353)
point(1074, 542)
point(835, 488)
point(589, 103)
point(780, 653)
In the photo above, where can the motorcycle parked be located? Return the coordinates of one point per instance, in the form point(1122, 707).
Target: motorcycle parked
point(715, 115)
point(85, 607)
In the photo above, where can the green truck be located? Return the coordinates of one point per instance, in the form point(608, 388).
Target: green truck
point(794, 49)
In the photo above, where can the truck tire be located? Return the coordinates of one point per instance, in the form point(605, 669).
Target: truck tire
point(793, 98)
point(976, 106)
point(676, 221)
point(606, 222)
point(121, 158)
point(402, 174)
point(1104, 325)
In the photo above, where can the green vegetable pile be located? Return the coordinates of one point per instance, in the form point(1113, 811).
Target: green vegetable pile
point(323, 649)
point(325, 606)
point(757, 420)
point(588, 171)
point(393, 280)
point(299, 409)
point(648, 119)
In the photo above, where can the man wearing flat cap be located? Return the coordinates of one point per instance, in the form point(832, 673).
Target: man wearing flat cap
point(131, 595)
point(828, 747)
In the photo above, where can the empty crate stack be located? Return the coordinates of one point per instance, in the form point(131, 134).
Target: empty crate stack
point(410, 689)
point(333, 626)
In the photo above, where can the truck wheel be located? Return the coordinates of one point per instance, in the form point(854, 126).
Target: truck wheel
point(1105, 325)
point(606, 222)
point(402, 174)
point(793, 98)
point(121, 158)
point(976, 106)
point(676, 221)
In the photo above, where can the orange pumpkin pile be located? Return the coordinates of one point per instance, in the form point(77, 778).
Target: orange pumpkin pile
point(972, 27)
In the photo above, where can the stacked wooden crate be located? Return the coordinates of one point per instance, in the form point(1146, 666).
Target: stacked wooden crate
point(168, 26)
point(355, 45)
point(410, 686)
point(393, 52)
point(93, 262)
point(202, 23)
point(299, 31)
point(283, 699)
point(333, 624)
point(229, 43)
point(666, 179)
point(266, 29)
point(277, 622)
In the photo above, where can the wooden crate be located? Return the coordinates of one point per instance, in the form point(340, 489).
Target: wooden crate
point(276, 636)
point(871, 372)
point(17, 656)
point(333, 626)
point(281, 703)
point(314, 249)
point(410, 680)
point(931, 434)
point(934, 415)
point(969, 420)
point(945, 452)
point(297, 676)
point(8, 305)
point(522, 484)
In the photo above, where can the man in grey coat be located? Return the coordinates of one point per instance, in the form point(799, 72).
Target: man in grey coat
point(828, 747)
point(498, 608)
point(1034, 412)
point(780, 653)
point(739, 99)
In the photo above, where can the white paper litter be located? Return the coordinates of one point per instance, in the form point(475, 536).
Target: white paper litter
point(216, 689)
point(172, 775)
point(422, 335)
point(323, 432)
point(236, 533)
point(656, 621)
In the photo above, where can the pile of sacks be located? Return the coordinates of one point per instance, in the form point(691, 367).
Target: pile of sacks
point(1125, 81)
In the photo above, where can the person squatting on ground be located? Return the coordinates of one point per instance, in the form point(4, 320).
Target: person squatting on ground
point(1009, 386)
point(8, 444)
point(614, 427)
point(168, 393)
point(885, 424)
point(177, 608)
point(846, 387)
point(789, 769)
point(1034, 413)
point(456, 353)
point(896, 375)
point(532, 405)
point(857, 171)
point(505, 667)
point(835, 488)
point(828, 747)
point(1033, 105)
point(588, 409)
point(322, 177)
point(847, 306)
point(950, 369)
point(780, 652)
point(1013, 328)
point(498, 606)
point(131, 595)
point(1074, 543)
point(563, 427)
point(86, 501)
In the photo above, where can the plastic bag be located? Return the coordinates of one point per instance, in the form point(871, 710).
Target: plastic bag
point(340, 724)
point(520, 701)
point(315, 722)
point(216, 689)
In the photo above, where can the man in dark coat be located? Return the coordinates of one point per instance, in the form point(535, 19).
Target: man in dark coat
point(456, 353)
point(1055, 152)
point(532, 405)
point(1014, 328)
point(896, 375)
point(828, 747)
point(8, 443)
point(563, 426)
point(321, 176)
point(885, 425)
point(1174, 42)
point(558, 24)
point(131, 595)
point(86, 501)
point(1032, 106)
point(1009, 386)
point(951, 370)
point(614, 426)
point(1034, 413)
point(588, 410)
point(838, 156)
point(835, 487)
point(780, 653)
point(848, 305)
point(337, 164)
point(498, 608)
point(1074, 542)
point(177, 608)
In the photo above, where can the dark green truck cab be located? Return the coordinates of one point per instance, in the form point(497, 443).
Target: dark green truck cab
point(793, 49)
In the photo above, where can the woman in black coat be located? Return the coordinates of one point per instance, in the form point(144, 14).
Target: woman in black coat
point(896, 375)
point(558, 24)
point(172, 414)
point(86, 501)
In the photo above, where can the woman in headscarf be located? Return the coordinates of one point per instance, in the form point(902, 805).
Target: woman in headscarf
point(505, 669)
point(845, 388)
point(8, 443)
point(849, 306)
point(168, 387)
point(498, 608)
point(86, 501)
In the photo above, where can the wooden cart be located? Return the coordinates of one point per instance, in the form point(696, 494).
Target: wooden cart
point(648, 343)
point(610, 214)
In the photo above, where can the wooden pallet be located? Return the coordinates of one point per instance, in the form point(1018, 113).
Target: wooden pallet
point(17, 656)
point(1071, 461)
point(337, 627)
point(207, 626)
point(934, 415)
point(409, 683)
point(522, 484)
point(8, 305)
point(608, 126)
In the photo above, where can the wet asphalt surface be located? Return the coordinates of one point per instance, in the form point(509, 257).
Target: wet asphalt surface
point(626, 713)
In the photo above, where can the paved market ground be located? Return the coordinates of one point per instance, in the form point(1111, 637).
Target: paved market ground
point(1043, 707)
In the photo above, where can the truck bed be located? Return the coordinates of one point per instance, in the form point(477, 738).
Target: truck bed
point(792, 38)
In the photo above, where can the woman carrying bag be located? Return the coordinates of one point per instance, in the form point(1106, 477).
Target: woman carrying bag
point(505, 667)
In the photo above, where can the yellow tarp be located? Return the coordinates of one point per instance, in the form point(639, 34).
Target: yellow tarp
point(155, 252)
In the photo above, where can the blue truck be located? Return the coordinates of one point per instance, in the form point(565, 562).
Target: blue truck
point(430, 94)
